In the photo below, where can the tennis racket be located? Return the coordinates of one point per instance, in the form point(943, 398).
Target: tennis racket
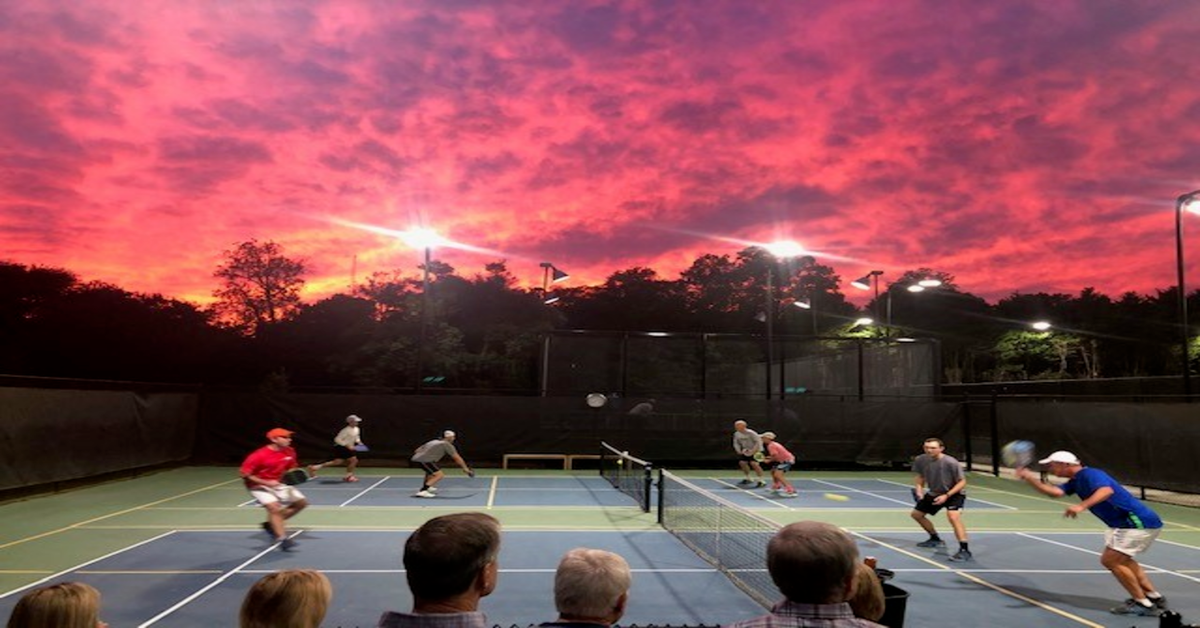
point(295, 476)
point(1018, 454)
point(759, 456)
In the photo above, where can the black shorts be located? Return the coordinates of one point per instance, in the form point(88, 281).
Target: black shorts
point(954, 502)
point(429, 468)
point(746, 459)
point(341, 453)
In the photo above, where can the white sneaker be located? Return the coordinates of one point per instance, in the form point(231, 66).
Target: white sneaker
point(432, 489)
point(425, 494)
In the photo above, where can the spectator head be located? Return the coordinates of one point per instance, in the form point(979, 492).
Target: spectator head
point(812, 562)
point(293, 598)
point(591, 585)
point(866, 598)
point(453, 556)
point(63, 605)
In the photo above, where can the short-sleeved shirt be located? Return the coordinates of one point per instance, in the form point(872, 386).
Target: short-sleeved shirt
point(1121, 510)
point(434, 450)
point(779, 453)
point(940, 475)
point(474, 619)
point(747, 439)
point(348, 437)
point(788, 614)
point(268, 463)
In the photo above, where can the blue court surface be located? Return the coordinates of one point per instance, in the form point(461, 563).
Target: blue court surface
point(200, 551)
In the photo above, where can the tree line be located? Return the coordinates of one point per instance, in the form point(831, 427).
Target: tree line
point(484, 332)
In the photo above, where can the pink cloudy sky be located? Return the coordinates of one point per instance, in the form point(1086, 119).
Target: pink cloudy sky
point(1022, 146)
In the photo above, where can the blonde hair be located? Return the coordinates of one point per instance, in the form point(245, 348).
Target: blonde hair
point(292, 598)
point(63, 605)
point(866, 595)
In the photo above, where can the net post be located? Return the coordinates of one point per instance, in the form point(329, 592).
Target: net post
point(647, 486)
point(662, 489)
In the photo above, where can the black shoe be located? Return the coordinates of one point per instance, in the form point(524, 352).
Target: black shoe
point(1159, 602)
point(1131, 607)
point(961, 556)
point(287, 545)
point(932, 543)
point(745, 482)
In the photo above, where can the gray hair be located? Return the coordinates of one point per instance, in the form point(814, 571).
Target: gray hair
point(589, 583)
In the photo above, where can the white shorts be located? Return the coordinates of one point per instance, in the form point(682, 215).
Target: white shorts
point(1130, 541)
point(282, 494)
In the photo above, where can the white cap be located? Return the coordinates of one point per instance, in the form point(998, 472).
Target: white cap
point(353, 418)
point(1064, 457)
point(448, 434)
point(770, 435)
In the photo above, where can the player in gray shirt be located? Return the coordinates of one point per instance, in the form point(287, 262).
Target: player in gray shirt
point(940, 483)
point(747, 443)
point(427, 456)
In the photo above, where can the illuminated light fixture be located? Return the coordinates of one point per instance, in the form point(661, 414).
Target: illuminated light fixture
point(1041, 325)
point(929, 283)
point(422, 238)
point(906, 339)
point(657, 334)
point(551, 274)
point(864, 282)
point(862, 322)
point(804, 304)
point(784, 249)
point(916, 287)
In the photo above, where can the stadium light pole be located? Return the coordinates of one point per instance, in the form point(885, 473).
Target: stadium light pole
point(551, 275)
point(778, 251)
point(421, 238)
point(920, 286)
point(1191, 203)
point(864, 283)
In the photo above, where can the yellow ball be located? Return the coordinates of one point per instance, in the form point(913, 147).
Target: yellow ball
point(837, 497)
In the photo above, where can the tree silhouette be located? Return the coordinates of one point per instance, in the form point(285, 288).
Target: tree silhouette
point(259, 286)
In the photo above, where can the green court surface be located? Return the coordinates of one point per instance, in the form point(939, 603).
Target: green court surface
point(1033, 567)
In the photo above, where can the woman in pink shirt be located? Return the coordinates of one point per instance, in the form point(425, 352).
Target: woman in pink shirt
point(781, 461)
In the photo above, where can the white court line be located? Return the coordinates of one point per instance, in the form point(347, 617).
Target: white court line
point(491, 500)
point(973, 497)
point(82, 565)
point(855, 490)
point(1155, 569)
point(751, 493)
point(223, 578)
point(980, 581)
point(364, 491)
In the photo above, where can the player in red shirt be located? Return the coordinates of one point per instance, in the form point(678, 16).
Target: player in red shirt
point(263, 472)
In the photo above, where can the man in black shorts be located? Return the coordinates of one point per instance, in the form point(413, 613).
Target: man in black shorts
point(940, 483)
point(426, 456)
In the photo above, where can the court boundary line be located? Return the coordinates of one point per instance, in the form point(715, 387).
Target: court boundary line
point(980, 581)
point(908, 504)
point(85, 564)
point(364, 491)
point(763, 498)
point(115, 514)
point(1156, 568)
point(180, 604)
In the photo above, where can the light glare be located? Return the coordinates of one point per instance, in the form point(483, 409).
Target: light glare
point(1041, 325)
point(784, 248)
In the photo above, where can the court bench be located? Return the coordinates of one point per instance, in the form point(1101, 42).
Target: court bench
point(568, 460)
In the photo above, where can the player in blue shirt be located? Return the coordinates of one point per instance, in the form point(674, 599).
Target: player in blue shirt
point(1132, 526)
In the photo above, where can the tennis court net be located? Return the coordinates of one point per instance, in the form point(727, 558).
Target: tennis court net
point(632, 476)
point(729, 537)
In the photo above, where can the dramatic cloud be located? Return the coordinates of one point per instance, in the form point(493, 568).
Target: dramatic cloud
point(1020, 146)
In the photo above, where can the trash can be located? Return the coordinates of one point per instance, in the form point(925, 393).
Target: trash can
point(895, 600)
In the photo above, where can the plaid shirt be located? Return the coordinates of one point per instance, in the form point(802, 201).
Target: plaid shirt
point(433, 620)
point(788, 614)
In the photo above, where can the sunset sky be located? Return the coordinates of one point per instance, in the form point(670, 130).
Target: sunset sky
point(1021, 146)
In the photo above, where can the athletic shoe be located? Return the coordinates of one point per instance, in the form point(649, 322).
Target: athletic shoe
point(1159, 602)
point(287, 545)
point(312, 470)
point(1131, 607)
point(744, 482)
point(432, 489)
point(786, 495)
point(760, 484)
point(426, 494)
point(932, 543)
point(961, 556)
point(350, 478)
